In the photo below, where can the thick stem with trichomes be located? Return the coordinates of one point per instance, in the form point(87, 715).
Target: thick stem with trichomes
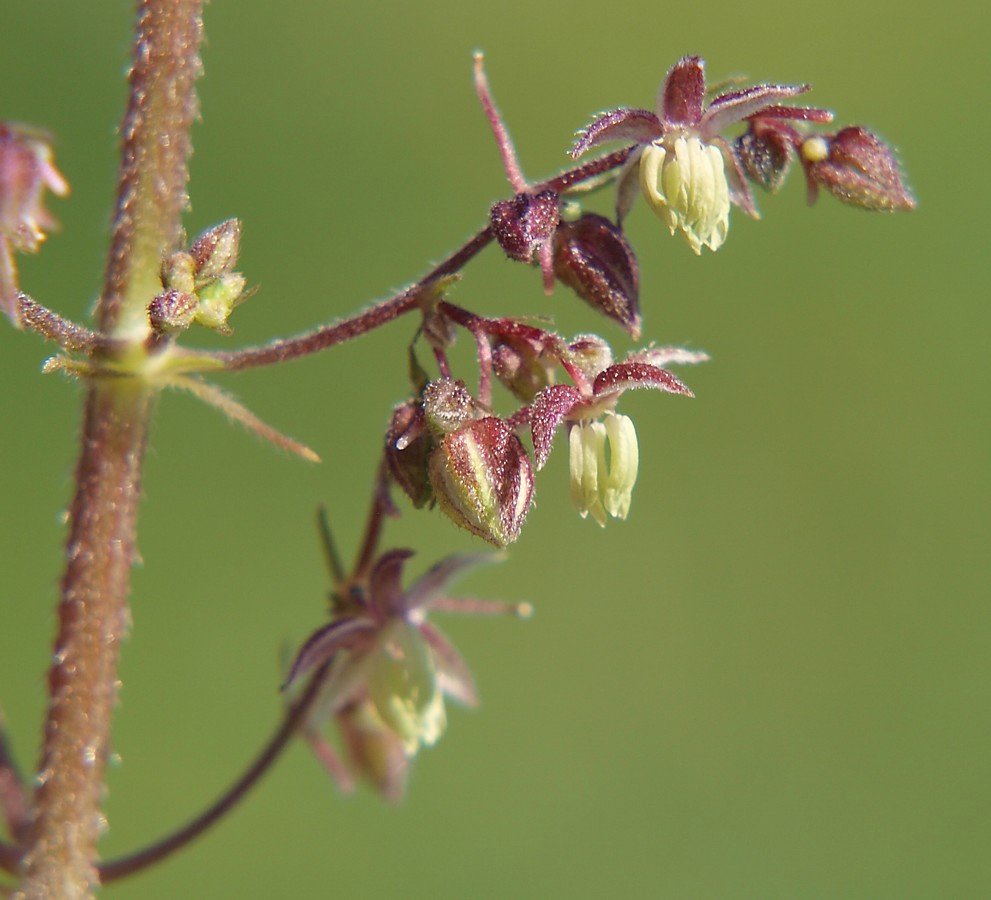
point(60, 859)
point(93, 618)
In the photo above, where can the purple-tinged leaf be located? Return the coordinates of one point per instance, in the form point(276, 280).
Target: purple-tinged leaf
point(627, 376)
point(385, 585)
point(683, 92)
point(321, 646)
point(736, 182)
point(428, 586)
point(638, 126)
point(628, 188)
point(328, 758)
point(738, 105)
point(798, 113)
point(454, 678)
point(764, 153)
point(548, 410)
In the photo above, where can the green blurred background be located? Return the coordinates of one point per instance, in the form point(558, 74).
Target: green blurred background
point(772, 681)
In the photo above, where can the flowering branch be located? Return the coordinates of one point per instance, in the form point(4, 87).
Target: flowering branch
point(379, 669)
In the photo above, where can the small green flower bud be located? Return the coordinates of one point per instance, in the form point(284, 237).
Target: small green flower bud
point(373, 749)
point(402, 683)
point(179, 272)
point(217, 301)
point(447, 405)
point(591, 354)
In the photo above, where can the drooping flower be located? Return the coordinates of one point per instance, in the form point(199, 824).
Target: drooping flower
point(856, 167)
point(390, 669)
point(603, 444)
point(26, 171)
point(687, 171)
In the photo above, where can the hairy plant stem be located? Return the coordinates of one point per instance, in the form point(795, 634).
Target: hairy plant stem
point(93, 617)
point(60, 855)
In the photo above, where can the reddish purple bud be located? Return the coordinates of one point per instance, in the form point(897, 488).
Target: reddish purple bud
point(523, 357)
point(524, 222)
point(858, 168)
point(594, 259)
point(765, 153)
point(215, 251)
point(172, 311)
point(408, 443)
point(483, 481)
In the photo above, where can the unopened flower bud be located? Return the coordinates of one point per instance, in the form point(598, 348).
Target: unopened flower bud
point(402, 683)
point(524, 222)
point(591, 354)
point(179, 272)
point(407, 447)
point(521, 369)
point(765, 154)
point(483, 481)
point(217, 301)
point(172, 311)
point(374, 751)
point(215, 251)
point(447, 405)
point(858, 168)
point(594, 259)
point(685, 184)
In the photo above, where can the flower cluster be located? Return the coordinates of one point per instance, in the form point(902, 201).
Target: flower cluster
point(690, 174)
point(390, 669)
point(447, 447)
